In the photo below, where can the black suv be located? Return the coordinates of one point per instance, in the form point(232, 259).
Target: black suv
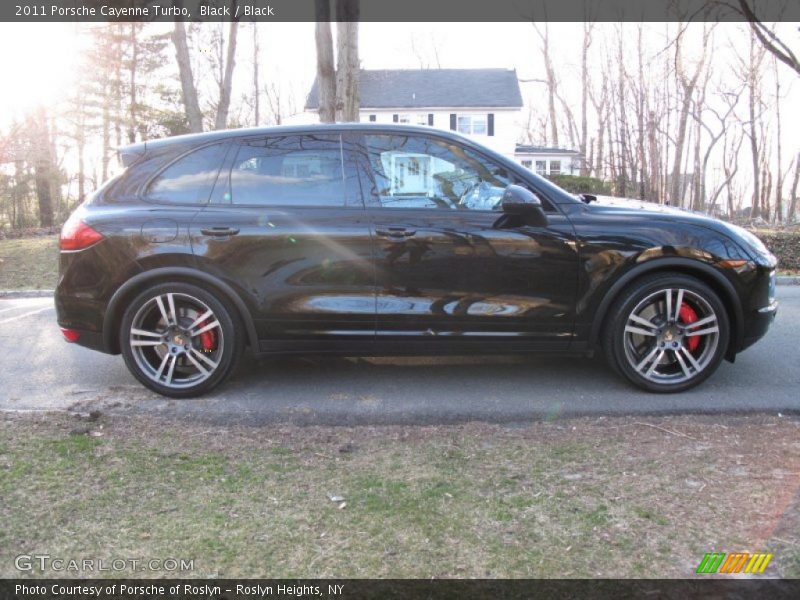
point(386, 240)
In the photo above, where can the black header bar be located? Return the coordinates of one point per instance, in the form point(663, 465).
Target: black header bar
point(398, 10)
point(389, 589)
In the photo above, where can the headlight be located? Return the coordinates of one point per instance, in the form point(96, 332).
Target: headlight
point(773, 279)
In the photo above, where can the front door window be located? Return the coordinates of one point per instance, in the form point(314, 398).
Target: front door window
point(422, 172)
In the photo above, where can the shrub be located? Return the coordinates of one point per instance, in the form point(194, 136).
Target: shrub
point(581, 185)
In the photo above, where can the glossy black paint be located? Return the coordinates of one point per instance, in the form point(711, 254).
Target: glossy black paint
point(364, 280)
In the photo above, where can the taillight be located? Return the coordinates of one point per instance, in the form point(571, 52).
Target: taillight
point(77, 235)
point(71, 335)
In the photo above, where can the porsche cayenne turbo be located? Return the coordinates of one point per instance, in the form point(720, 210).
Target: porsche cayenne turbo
point(392, 240)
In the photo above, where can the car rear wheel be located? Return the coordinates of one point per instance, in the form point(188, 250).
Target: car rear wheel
point(667, 333)
point(180, 340)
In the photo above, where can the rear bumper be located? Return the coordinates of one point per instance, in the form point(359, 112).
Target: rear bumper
point(83, 315)
point(759, 323)
point(90, 339)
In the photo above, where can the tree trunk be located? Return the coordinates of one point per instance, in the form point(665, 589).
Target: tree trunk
point(551, 83)
point(227, 81)
point(755, 210)
point(189, 92)
point(326, 82)
point(778, 172)
point(622, 124)
point(43, 168)
point(256, 90)
point(119, 111)
point(106, 119)
point(347, 73)
point(687, 88)
point(134, 49)
point(587, 41)
point(793, 203)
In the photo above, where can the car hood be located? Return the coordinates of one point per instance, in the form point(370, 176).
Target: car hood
point(629, 208)
point(640, 208)
point(641, 205)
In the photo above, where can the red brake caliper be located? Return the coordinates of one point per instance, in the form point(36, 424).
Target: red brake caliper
point(208, 339)
point(688, 316)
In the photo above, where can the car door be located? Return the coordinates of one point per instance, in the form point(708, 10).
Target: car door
point(451, 268)
point(287, 228)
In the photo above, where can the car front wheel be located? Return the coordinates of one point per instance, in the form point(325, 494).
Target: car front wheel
point(667, 333)
point(180, 340)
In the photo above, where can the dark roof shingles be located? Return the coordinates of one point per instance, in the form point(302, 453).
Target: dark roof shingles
point(435, 88)
point(526, 149)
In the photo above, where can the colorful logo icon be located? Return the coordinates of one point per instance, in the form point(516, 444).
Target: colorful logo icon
point(737, 562)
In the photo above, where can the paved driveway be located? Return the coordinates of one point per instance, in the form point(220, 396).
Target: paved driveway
point(38, 371)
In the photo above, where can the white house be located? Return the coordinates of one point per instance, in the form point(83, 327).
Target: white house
point(549, 161)
point(483, 104)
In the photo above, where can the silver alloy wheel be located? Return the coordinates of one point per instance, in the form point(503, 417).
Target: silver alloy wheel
point(169, 340)
point(663, 346)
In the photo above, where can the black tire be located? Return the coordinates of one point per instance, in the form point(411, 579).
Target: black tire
point(661, 350)
point(187, 357)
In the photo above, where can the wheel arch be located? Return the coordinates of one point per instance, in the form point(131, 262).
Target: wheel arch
point(702, 271)
point(137, 283)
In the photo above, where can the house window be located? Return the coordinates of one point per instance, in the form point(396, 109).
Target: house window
point(420, 119)
point(555, 167)
point(372, 118)
point(527, 164)
point(404, 119)
point(541, 167)
point(472, 124)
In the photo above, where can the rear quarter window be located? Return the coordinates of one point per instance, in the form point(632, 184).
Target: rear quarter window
point(189, 179)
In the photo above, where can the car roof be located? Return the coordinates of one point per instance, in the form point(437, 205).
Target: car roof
point(140, 148)
point(133, 152)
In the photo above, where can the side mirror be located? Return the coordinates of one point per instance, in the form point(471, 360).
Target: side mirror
point(520, 202)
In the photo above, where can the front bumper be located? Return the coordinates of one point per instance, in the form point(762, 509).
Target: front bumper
point(759, 323)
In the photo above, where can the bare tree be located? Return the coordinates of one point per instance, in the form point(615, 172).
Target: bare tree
point(588, 26)
point(730, 166)
point(687, 85)
point(767, 37)
point(43, 164)
point(750, 73)
point(337, 89)
point(224, 103)
point(190, 101)
point(552, 82)
point(256, 88)
point(326, 75)
point(779, 148)
point(347, 67)
point(793, 203)
point(731, 100)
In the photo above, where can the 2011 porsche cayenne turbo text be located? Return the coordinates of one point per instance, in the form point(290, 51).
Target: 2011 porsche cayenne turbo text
point(386, 240)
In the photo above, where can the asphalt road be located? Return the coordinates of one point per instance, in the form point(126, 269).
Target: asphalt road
point(39, 371)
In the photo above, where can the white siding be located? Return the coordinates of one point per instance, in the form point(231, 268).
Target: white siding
point(506, 126)
point(506, 122)
point(569, 164)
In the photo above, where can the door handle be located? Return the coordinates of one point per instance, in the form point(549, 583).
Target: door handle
point(395, 232)
point(219, 231)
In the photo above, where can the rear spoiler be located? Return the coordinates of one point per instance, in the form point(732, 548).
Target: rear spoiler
point(132, 153)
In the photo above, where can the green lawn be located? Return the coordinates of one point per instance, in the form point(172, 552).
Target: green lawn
point(574, 498)
point(29, 263)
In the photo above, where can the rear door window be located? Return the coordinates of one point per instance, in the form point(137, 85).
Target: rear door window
point(298, 170)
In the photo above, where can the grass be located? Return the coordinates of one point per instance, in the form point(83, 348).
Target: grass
point(29, 263)
point(579, 498)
